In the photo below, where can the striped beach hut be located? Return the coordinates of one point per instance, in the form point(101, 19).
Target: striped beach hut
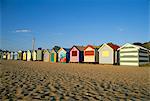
point(46, 55)
point(24, 55)
point(12, 55)
point(77, 54)
point(63, 55)
point(34, 55)
point(29, 55)
point(53, 56)
point(91, 54)
point(8, 55)
point(20, 55)
point(39, 54)
point(108, 54)
point(133, 55)
point(15, 55)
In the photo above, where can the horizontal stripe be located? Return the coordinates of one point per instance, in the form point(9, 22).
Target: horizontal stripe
point(143, 54)
point(131, 64)
point(128, 51)
point(131, 49)
point(141, 63)
point(127, 47)
point(143, 60)
point(134, 61)
point(128, 54)
point(129, 59)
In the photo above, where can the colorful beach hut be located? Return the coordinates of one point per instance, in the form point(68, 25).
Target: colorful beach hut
point(91, 54)
point(4, 55)
point(20, 55)
point(12, 55)
point(46, 57)
point(24, 55)
point(34, 55)
point(77, 54)
point(53, 56)
point(29, 55)
point(108, 54)
point(15, 55)
point(8, 55)
point(39, 54)
point(133, 55)
point(63, 55)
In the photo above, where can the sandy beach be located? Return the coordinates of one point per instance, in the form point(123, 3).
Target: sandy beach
point(33, 81)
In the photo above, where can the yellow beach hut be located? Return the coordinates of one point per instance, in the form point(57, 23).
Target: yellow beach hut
point(25, 55)
point(34, 55)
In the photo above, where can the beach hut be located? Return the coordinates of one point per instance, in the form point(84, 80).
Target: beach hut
point(12, 55)
point(108, 54)
point(53, 56)
point(91, 54)
point(133, 55)
point(24, 55)
point(29, 55)
point(34, 55)
point(77, 54)
point(15, 55)
point(63, 55)
point(39, 54)
point(46, 57)
point(20, 55)
point(8, 55)
point(4, 55)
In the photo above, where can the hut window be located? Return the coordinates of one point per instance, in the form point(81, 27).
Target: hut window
point(74, 53)
point(89, 52)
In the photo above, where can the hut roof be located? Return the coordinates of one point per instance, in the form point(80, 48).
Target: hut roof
point(81, 48)
point(67, 49)
point(113, 46)
point(136, 46)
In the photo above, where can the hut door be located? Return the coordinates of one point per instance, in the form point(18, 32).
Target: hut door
point(52, 57)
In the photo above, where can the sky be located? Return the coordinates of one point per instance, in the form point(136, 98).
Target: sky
point(72, 22)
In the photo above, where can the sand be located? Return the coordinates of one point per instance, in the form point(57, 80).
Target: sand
point(26, 81)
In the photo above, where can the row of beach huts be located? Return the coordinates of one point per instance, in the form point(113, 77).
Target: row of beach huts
point(108, 53)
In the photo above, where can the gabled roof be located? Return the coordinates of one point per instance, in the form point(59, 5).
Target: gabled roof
point(80, 48)
point(65, 49)
point(113, 46)
point(136, 46)
point(89, 46)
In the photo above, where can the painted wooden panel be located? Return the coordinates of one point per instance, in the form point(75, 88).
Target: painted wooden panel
point(8, 55)
point(62, 56)
point(46, 57)
point(11, 55)
point(34, 55)
point(24, 56)
point(4, 55)
point(15, 56)
point(74, 55)
point(20, 55)
point(53, 56)
point(106, 55)
point(89, 55)
point(28, 55)
point(39, 55)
